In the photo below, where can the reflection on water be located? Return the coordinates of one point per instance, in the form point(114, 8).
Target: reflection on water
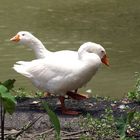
point(66, 25)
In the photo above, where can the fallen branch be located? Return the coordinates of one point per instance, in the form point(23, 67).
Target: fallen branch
point(71, 138)
point(42, 133)
point(11, 132)
point(75, 133)
point(24, 128)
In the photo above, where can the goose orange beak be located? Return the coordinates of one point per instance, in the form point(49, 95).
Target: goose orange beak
point(16, 38)
point(105, 60)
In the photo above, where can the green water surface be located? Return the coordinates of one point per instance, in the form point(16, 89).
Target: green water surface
point(66, 24)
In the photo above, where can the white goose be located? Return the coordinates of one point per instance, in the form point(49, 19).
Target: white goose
point(27, 39)
point(58, 76)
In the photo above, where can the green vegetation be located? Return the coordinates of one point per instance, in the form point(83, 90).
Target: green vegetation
point(110, 127)
point(99, 128)
point(124, 124)
point(135, 94)
point(116, 121)
point(54, 119)
point(22, 93)
point(7, 102)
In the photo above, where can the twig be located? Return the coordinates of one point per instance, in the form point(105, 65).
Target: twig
point(75, 133)
point(65, 132)
point(71, 138)
point(45, 132)
point(66, 137)
point(25, 128)
point(69, 135)
point(11, 132)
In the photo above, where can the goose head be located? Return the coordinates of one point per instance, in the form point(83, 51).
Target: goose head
point(25, 38)
point(91, 47)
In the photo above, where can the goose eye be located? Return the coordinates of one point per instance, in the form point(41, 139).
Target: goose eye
point(102, 51)
point(23, 34)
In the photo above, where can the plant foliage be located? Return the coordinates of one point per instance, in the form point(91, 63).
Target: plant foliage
point(6, 98)
point(135, 94)
point(53, 118)
point(123, 123)
point(7, 102)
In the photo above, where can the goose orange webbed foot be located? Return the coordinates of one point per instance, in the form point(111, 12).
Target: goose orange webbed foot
point(76, 96)
point(67, 111)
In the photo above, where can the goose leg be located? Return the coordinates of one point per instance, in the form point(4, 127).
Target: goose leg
point(66, 110)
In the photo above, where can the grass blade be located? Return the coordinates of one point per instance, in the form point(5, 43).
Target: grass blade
point(53, 118)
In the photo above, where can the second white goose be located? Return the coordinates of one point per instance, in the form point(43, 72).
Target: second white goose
point(58, 76)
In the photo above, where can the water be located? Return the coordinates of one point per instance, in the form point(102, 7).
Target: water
point(66, 24)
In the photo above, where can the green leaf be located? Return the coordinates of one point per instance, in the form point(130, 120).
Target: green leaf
point(121, 126)
point(9, 84)
point(7, 99)
point(123, 122)
point(53, 118)
point(130, 117)
point(9, 105)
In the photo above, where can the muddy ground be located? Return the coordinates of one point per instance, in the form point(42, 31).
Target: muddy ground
point(29, 110)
